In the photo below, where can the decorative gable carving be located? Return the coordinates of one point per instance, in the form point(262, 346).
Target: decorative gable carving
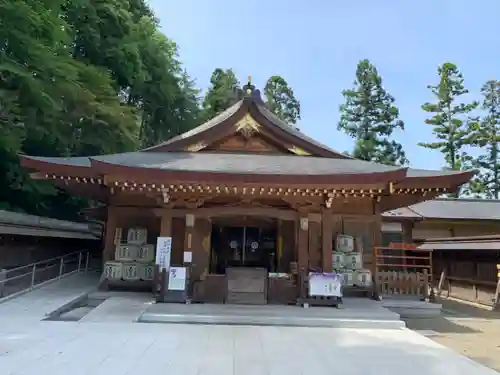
point(247, 126)
point(196, 147)
point(298, 151)
point(239, 143)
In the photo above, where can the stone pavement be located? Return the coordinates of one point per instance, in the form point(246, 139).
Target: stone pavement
point(36, 304)
point(29, 346)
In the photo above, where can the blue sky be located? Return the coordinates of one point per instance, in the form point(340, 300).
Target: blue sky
point(315, 46)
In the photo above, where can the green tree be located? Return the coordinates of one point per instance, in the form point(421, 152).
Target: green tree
point(223, 86)
point(485, 134)
point(281, 100)
point(83, 77)
point(370, 117)
point(450, 118)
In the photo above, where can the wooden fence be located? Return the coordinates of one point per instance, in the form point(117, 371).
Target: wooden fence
point(401, 269)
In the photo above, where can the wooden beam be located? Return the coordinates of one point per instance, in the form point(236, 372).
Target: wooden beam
point(234, 211)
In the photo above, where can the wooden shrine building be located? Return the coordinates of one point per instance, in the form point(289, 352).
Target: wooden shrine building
point(247, 190)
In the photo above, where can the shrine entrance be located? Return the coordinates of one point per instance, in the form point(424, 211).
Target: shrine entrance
point(246, 242)
point(244, 250)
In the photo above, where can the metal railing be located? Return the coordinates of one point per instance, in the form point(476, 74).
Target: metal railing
point(25, 278)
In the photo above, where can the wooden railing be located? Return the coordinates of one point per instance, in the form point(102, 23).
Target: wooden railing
point(402, 269)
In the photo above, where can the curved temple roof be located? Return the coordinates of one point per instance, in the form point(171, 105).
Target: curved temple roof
point(244, 167)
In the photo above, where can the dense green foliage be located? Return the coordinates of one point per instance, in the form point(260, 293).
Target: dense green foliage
point(224, 87)
point(83, 77)
point(281, 100)
point(370, 117)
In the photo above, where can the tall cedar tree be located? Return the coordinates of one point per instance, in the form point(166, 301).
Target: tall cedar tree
point(281, 100)
point(450, 118)
point(223, 87)
point(485, 134)
point(370, 117)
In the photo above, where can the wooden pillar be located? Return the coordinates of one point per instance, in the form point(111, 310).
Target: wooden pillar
point(303, 243)
point(166, 225)
point(302, 252)
point(189, 232)
point(279, 245)
point(407, 228)
point(407, 235)
point(370, 258)
point(315, 244)
point(327, 241)
point(331, 225)
point(109, 242)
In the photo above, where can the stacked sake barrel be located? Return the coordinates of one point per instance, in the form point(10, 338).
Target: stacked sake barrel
point(348, 261)
point(134, 259)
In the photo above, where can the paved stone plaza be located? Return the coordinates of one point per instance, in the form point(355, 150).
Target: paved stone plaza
point(29, 346)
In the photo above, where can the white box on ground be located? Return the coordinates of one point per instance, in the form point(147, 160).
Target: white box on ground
point(326, 285)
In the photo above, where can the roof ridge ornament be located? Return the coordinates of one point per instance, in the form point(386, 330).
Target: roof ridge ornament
point(249, 89)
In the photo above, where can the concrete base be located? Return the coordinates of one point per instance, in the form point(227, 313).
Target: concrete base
point(367, 314)
point(411, 308)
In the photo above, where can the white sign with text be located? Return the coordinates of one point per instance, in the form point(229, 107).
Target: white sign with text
point(177, 278)
point(163, 252)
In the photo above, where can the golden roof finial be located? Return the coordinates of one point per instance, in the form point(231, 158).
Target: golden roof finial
point(249, 79)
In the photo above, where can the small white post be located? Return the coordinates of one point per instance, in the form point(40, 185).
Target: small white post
point(87, 261)
point(61, 267)
point(79, 261)
point(33, 270)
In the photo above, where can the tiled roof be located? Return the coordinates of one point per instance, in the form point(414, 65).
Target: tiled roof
point(292, 129)
point(241, 163)
point(244, 163)
point(203, 127)
point(262, 108)
point(450, 209)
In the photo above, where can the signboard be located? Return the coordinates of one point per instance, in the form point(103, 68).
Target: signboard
point(188, 257)
point(177, 278)
point(325, 284)
point(163, 252)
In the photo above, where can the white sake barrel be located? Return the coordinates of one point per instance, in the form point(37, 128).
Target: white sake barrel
point(344, 243)
point(127, 252)
point(145, 271)
point(146, 253)
point(353, 261)
point(113, 270)
point(130, 271)
point(338, 260)
point(363, 278)
point(138, 236)
point(348, 277)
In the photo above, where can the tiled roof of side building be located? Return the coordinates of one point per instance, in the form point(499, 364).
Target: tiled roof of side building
point(450, 209)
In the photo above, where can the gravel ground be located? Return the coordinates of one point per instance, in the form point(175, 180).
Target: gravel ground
point(468, 330)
